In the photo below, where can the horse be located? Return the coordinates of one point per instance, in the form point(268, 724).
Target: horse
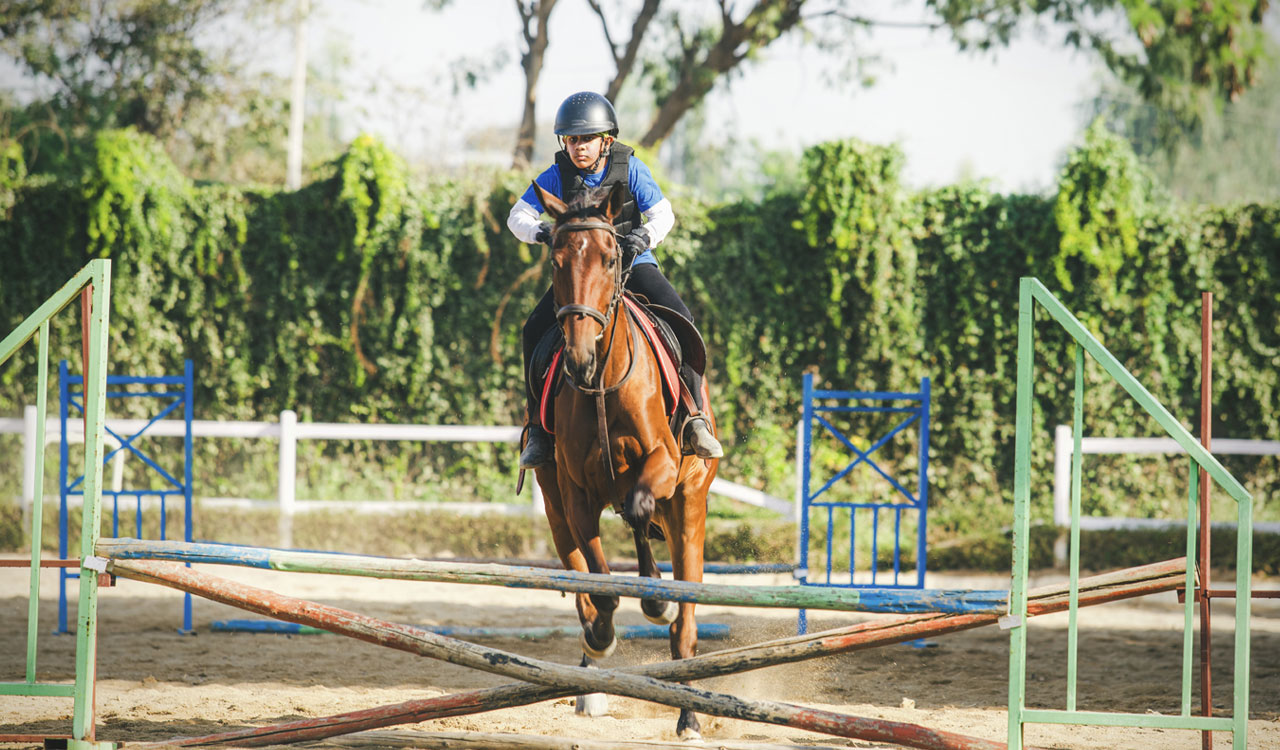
point(615, 446)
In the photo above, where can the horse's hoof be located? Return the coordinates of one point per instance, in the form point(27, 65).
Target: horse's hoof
point(691, 735)
point(667, 617)
point(592, 704)
point(596, 653)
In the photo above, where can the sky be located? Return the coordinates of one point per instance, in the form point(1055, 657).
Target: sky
point(1009, 117)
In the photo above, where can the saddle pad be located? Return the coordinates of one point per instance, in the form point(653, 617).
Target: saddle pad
point(666, 365)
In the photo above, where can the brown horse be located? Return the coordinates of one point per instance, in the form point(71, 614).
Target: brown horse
point(615, 447)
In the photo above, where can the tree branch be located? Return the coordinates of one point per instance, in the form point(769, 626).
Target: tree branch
point(868, 22)
point(627, 62)
point(608, 38)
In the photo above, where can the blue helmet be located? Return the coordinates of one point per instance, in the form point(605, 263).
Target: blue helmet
point(585, 113)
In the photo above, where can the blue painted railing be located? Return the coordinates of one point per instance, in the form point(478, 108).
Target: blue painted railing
point(173, 393)
point(818, 403)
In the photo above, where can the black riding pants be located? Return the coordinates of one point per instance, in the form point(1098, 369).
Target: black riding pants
point(646, 280)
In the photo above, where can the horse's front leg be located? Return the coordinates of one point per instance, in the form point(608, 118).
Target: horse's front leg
point(595, 611)
point(590, 704)
point(657, 479)
point(686, 531)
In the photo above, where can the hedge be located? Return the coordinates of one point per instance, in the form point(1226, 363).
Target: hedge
point(366, 296)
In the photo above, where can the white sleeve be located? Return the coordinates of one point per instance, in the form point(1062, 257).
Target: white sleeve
point(661, 220)
point(524, 222)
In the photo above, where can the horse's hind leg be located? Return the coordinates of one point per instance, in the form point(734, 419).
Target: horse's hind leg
point(656, 611)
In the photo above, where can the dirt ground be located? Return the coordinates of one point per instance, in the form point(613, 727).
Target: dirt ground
point(156, 684)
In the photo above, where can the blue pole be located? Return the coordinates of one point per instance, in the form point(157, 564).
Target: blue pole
point(188, 372)
point(805, 443)
point(922, 492)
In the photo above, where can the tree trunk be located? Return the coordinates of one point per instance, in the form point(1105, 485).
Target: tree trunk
point(531, 59)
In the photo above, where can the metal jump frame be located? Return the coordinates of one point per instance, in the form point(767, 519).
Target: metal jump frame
point(1032, 291)
point(916, 411)
point(155, 387)
point(93, 284)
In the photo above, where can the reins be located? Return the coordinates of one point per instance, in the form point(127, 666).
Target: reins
point(604, 320)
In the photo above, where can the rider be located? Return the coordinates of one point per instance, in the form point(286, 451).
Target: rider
point(586, 127)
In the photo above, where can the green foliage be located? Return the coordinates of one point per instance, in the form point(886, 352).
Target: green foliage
point(1227, 155)
point(13, 170)
point(1099, 207)
point(134, 195)
point(368, 297)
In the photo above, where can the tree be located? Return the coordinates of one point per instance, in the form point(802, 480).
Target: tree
point(1227, 154)
point(1180, 54)
point(533, 29)
point(146, 64)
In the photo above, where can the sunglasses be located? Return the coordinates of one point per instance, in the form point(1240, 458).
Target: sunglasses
point(574, 140)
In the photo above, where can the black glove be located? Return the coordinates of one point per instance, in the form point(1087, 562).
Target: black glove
point(543, 235)
point(632, 245)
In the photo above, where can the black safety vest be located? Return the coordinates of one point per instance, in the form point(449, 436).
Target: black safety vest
point(571, 184)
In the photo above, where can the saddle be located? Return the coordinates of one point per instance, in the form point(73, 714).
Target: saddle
point(672, 338)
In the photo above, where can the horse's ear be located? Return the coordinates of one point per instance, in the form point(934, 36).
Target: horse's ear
point(617, 199)
point(554, 207)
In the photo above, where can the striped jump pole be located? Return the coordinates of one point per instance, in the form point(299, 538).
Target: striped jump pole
point(506, 741)
point(1123, 584)
point(896, 601)
point(706, 631)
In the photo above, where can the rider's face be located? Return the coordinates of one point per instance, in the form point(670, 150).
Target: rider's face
point(584, 150)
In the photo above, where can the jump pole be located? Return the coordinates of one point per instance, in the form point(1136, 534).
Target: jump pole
point(506, 741)
point(896, 601)
point(706, 631)
point(537, 671)
point(1122, 584)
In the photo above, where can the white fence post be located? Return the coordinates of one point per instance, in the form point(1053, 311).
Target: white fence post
point(539, 502)
point(1062, 447)
point(287, 475)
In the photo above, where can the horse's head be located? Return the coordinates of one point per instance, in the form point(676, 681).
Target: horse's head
point(586, 273)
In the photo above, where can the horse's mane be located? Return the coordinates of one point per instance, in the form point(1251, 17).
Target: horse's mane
point(588, 203)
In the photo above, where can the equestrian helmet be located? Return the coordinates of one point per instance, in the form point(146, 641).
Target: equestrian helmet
point(585, 113)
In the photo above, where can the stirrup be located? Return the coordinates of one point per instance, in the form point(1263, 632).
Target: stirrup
point(699, 435)
point(539, 450)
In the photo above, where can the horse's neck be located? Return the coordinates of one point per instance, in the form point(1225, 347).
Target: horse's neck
point(617, 360)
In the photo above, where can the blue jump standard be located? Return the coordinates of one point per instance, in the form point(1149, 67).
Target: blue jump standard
point(706, 631)
point(897, 601)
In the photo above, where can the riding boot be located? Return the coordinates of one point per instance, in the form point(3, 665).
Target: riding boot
point(697, 430)
point(539, 449)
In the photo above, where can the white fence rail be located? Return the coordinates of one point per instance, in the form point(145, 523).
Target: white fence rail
point(288, 431)
point(1063, 445)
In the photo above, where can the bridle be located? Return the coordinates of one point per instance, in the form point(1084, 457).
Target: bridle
point(604, 319)
point(587, 310)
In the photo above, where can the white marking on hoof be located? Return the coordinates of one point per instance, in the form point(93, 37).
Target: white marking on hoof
point(592, 704)
point(667, 617)
point(690, 735)
point(594, 654)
